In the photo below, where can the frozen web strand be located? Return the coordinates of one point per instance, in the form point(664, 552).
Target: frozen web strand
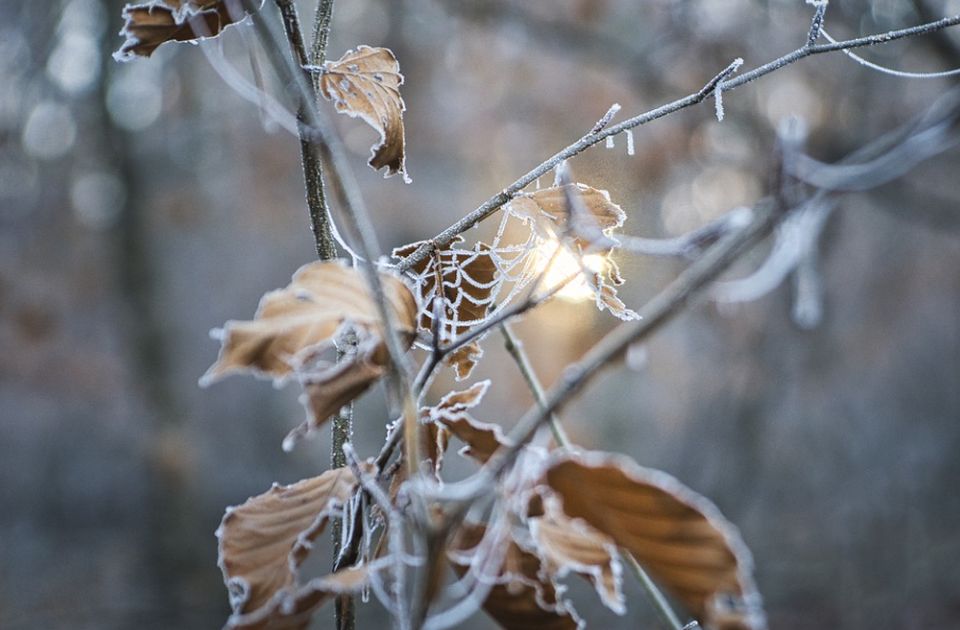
point(630, 150)
point(891, 71)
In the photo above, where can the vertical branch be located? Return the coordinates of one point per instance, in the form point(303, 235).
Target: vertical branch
point(310, 156)
point(321, 34)
point(342, 428)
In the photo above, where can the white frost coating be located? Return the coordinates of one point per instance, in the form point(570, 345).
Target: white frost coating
point(630, 150)
point(608, 143)
point(718, 88)
point(718, 103)
point(218, 334)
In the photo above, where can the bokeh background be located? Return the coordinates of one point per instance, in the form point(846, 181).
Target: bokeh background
point(143, 204)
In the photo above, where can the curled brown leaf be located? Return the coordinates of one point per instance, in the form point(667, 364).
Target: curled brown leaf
point(481, 439)
point(591, 222)
point(294, 326)
point(584, 219)
point(149, 24)
point(679, 537)
point(293, 610)
point(263, 541)
point(365, 83)
point(566, 545)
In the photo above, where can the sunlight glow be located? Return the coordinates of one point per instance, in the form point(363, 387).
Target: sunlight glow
point(564, 265)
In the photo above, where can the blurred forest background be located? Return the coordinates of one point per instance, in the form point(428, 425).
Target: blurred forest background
point(143, 204)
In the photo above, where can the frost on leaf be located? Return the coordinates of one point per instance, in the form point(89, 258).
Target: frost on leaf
point(520, 596)
point(679, 537)
point(365, 83)
point(148, 25)
point(591, 222)
point(468, 279)
point(265, 540)
point(452, 413)
point(296, 326)
point(566, 545)
point(585, 219)
point(292, 610)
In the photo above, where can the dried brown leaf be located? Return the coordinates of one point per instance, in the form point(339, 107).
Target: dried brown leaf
point(585, 219)
point(678, 536)
point(327, 391)
point(292, 322)
point(264, 541)
point(365, 83)
point(150, 24)
point(467, 280)
point(592, 230)
point(292, 610)
point(481, 439)
point(565, 545)
point(520, 596)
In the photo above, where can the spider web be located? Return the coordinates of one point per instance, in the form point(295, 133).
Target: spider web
point(465, 291)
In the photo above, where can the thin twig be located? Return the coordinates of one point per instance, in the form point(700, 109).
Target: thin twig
point(503, 197)
point(321, 32)
point(690, 244)
point(515, 348)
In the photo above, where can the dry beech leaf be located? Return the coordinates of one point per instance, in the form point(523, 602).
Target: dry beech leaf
point(264, 541)
point(468, 279)
point(295, 325)
point(593, 230)
point(293, 321)
point(566, 545)
point(150, 24)
point(433, 444)
point(481, 439)
point(520, 598)
point(679, 537)
point(590, 224)
point(292, 610)
point(365, 83)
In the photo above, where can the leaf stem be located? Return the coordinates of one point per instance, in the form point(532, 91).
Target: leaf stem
point(659, 601)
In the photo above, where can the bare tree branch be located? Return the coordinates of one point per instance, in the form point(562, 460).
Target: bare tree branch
point(500, 199)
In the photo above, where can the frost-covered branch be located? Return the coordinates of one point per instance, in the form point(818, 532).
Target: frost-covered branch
point(721, 82)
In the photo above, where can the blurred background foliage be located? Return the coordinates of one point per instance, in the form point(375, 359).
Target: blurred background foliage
point(143, 204)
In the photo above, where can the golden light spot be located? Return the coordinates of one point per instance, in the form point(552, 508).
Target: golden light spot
point(562, 265)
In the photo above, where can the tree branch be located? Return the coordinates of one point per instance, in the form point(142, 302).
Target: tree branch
point(611, 348)
point(718, 82)
point(310, 158)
